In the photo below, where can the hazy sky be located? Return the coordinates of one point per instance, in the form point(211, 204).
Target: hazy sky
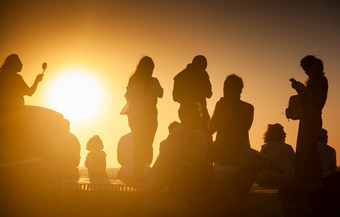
point(260, 40)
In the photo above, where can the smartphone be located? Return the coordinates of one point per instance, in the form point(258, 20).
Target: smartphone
point(44, 66)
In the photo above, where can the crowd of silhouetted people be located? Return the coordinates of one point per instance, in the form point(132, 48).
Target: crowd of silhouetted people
point(213, 175)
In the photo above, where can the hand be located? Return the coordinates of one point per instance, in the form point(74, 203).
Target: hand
point(39, 78)
point(298, 86)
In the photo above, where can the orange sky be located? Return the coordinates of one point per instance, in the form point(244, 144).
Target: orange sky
point(261, 41)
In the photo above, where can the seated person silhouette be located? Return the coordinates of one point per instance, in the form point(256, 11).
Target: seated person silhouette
point(70, 152)
point(125, 159)
point(171, 126)
point(232, 119)
point(281, 155)
point(182, 164)
point(13, 86)
point(327, 155)
point(96, 160)
point(236, 165)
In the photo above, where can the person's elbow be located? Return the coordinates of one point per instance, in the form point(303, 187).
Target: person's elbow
point(30, 92)
point(209, 94)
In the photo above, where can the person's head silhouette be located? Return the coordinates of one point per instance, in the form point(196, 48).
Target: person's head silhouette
point(233, 86)
point(312, 66)
point(323, 136)
point(190, 115)
point(274, 133)
point(145, 67)
point(200, 61)
point(12, 64)
point(94, 144)
point(173, 125)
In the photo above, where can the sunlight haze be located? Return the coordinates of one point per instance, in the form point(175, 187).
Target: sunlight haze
point(261, 41)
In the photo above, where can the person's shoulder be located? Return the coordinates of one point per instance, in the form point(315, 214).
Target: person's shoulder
point(102, 153)
point(181, 74)
point(97, 153)
point(204, 74)
point(324, 78)
point(73, 138)
point(18, 77)
point(247, 105)
point(90, 154)
point(126, 136)
point(330, 148)
point(177, 131)
point(287, 146)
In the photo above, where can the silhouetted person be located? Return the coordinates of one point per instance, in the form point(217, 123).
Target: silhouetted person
point(232, 119)
point(142, 93)
point(327, 155)
point(71, 154)
point(171, 127)
point(182, 164)
point(281, 155)
point(192, 85)
point(13, 87)
point(313, 97)
point(96, 160)
point(232, 156)
point(65, 152)
point(125, 158)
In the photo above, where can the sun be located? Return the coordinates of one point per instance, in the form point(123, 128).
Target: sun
point(77, 94)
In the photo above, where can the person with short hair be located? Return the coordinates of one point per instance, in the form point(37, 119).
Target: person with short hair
point(232, 119)
point(171, 127)
point(236, 165)
point(192, 85)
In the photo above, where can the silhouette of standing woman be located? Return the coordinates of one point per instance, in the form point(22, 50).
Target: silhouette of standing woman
point(13, 87)
point(313, 98)
point(142, 93)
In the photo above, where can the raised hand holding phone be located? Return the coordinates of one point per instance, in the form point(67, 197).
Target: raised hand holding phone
point(40, 76)
point(298, 86)
point(44, 66)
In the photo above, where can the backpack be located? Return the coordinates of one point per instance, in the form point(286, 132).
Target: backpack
point(295, 109)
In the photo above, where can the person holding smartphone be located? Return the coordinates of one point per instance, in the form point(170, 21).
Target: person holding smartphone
point(313, 97)
point(13, 87)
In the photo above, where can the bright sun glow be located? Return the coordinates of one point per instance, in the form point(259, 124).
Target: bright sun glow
point(76, 94)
